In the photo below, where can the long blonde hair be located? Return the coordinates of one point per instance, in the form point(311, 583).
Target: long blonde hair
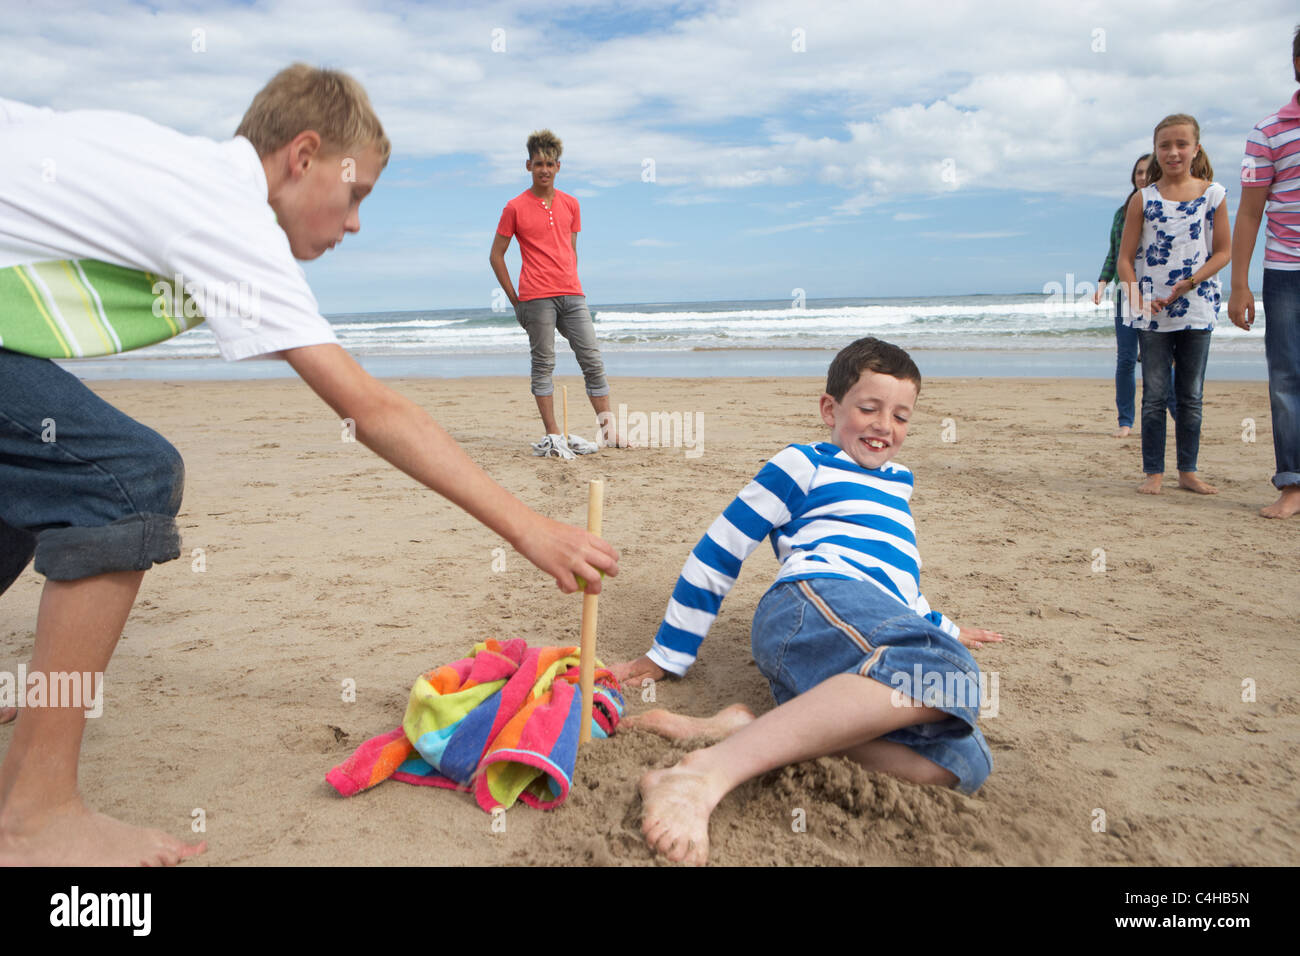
point(1201, 168)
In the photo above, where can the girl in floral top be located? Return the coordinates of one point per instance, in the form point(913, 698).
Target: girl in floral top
point(1177, 229)
point(1126, 338)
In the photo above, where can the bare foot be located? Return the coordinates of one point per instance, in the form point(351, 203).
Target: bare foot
point(1287, 504)
point(1123, 431)
point(74, 835)
point(7, 714)
point(1151, 486)
point(676, 804)
point(1189, 481)
point(681, 727)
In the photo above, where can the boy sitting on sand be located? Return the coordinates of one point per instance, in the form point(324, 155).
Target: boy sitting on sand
point(94, 207)
point(846, 605)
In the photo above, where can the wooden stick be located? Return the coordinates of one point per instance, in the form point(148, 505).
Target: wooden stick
point(587, 665)
point(564, 390)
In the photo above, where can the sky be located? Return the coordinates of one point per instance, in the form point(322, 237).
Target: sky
point(719, 150)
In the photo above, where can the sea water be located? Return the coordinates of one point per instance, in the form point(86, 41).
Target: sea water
point(1023, 335)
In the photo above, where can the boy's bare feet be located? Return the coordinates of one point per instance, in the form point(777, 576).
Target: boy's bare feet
point(7, 714)
point(1123, 431)
point(1287, 504)
point(665, 723)
point(43, 821)
point(1188, 480)
point(1151, 486)
point(676, 805)
point(73, 834)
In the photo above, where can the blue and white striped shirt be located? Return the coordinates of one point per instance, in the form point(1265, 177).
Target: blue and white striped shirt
point(826, 516)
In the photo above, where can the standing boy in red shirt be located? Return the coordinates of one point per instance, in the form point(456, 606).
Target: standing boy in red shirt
point(550, 296)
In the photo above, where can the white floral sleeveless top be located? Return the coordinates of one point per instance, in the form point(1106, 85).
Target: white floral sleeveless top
point(1176, 241)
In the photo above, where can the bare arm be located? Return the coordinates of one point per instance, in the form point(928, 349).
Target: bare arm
point(1128, 251)
point(1241, 301)
point(1222, 251)
point(402, 433)
point(573, 237)
point(497, 258)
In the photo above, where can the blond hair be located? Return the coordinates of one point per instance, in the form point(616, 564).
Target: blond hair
point(329, 102)
point(1200, 168)
point(544, 143)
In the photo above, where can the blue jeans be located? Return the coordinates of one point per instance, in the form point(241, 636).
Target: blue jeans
point(83, 488)
point(1126, 357)
point(568, 314)
point(1282, 349)
point(809, 630)
point(1189, 349)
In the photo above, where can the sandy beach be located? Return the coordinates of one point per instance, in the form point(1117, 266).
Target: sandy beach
point(1147, 682)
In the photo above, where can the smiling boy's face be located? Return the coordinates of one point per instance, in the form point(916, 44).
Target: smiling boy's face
point(543, 168)
point(871, 421)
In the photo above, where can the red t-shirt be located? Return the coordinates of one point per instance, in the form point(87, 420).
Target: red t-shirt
point(550, 266)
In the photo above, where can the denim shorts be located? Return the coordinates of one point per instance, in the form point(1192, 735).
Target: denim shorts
point(83, 487)
point(809, 630)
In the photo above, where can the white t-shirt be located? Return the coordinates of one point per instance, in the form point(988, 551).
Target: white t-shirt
point(121, 189)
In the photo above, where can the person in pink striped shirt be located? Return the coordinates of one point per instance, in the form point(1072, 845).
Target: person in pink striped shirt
point(1270, 180)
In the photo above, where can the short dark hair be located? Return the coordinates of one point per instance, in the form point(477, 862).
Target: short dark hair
point(1295, 51)
point(869, 355)
point(544, 143)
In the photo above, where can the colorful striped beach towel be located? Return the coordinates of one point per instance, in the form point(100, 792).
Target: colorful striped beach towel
point(502, 723)
point(75, 308)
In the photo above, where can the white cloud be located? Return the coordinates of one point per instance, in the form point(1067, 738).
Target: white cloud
point(816, 223)
point(886, 103)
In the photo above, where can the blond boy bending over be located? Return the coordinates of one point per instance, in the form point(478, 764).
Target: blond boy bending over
point(94, 207)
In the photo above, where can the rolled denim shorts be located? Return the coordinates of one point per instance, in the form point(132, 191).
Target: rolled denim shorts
point(809, 630)
point(83, 487)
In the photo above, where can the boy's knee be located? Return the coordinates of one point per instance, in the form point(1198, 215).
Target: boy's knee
point(162, 485)
point(590, 363)
point(136, 528)
point(147, 479)
point(593, 370)
point(542, 383)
